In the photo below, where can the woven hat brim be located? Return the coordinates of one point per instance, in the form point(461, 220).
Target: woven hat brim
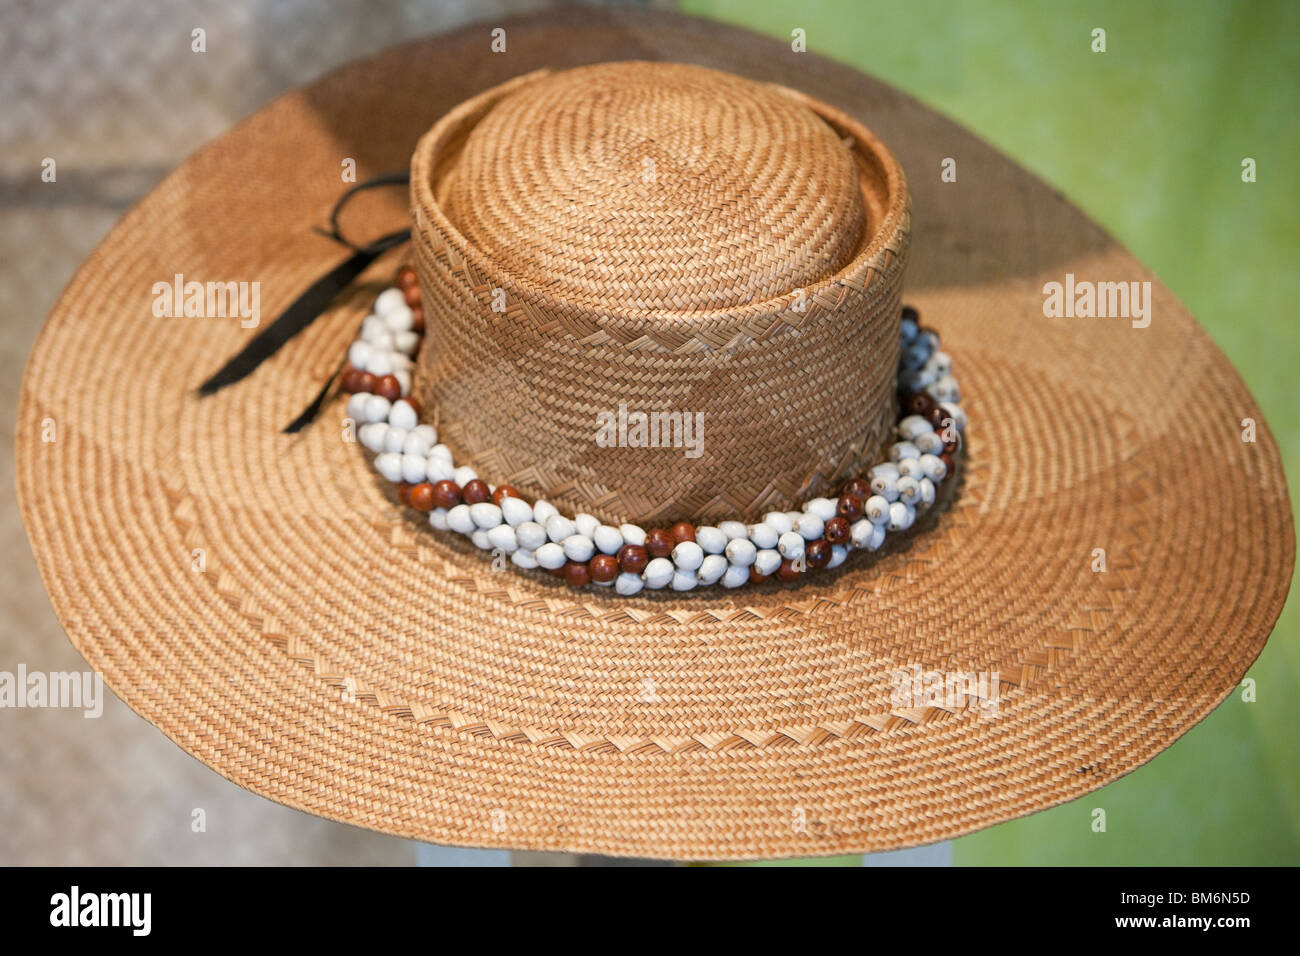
point(335, 656)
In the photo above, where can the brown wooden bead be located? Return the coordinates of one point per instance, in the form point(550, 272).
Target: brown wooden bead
point(818, 553)
point(947, 462)
point(632, 558)
point(422, 496)
point(838, 530)
point(503, 492)
point(417, 318)
point(603, 568)
point(389, 387)
point(858, 487)
point(917, 403)
point(446, 494)
point(348, 380)
point(406, 277)
point(909, 312)
point(403, 492)
point(365, 382)
point(788, 571)
point(412, 295)
point(659, 542)
point(950, 447)
point(577, 573)
point(413, 402)
point(475, 492)
point(683, 531)
point(849, 507)
point(936, 416)
point(757, 577)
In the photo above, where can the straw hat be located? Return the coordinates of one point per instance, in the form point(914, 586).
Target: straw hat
point(1106, 543)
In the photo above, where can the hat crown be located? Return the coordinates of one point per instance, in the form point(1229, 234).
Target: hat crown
point(656, 187)
point(712, 334)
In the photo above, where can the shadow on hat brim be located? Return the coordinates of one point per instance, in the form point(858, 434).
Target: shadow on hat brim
point(334, 655)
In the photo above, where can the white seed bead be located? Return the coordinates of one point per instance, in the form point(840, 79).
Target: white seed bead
point(901, 450)
point(839, 554)
point(790, 545)
point(901, 516)
point(632, 534)
point(438, 519)
point(658, 573)
point(941, 362)
point(810, 526)
point(930, 339)
point(911, 467)
point(909, 490)
point(688, 556)
point(406, 342)
point(876, 509)
point(885, 486)
point(389, 464)
point(531, 535)
point(480, 539)
point(628, 584)
point(916, 380)
point(402, 415)
point(684, 581)
point(763, 535)
point(438, 469)
point(400, 320)
point(954, 412)
point(913, 427)
point(371, 436)
point(388, 300)
point(376, 409)
point(931, 443)
point(356, 409)
point(459, 520)
point(711, 539)
point(413, 469)
point(794, 517)
point(394, 438)
point(877, 537)
point(927, 492)
point(464, 475)
point(578, 547)
point(823, 508)
point(359, 355)
point(503, 536)
point(607, 539)
point(559, 527)
point(524, 559)
point(585, 523)
point(946, 389)
point(543, 511)
point(381, 361)
point(550, 556)
point(711, 569)
point(779, 521)
point(735, 576)
point(741, 552)
point(860, 533)
point(416, 443)
point(401, 363)
point(441, 451)
point(908, 329)
point(932, 467)
point(766, 561)
point(485, 514)
point(515, 511)
point(886, 469)
point(734, 529)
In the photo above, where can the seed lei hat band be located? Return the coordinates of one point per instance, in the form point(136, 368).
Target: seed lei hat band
point(588, 228)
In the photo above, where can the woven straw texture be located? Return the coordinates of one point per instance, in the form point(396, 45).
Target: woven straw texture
point(663, 238)
point(337, 657)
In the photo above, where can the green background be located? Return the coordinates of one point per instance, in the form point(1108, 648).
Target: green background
point(1148, 139)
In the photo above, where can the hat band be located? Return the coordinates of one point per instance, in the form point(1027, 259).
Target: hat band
point(629, 558)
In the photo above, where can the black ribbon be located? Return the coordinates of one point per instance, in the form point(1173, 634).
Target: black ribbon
point(313, 301)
